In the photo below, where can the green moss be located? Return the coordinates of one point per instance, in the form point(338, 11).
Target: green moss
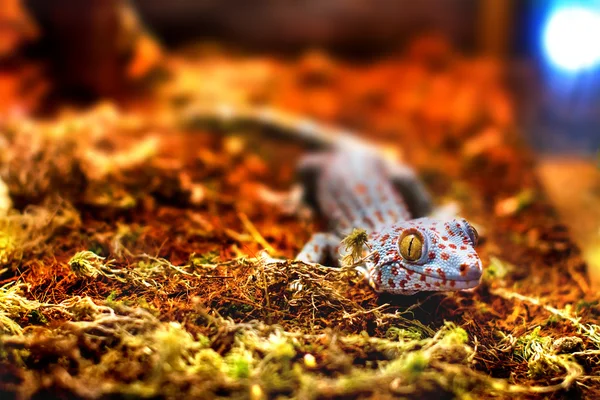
point(111, 296)
point(395, 333)
point(203, 341)
point(354, 244)
point(240, 308)
point(552, 320)
point(409, 366)
point(86, 263)
point(496, 270)
point(37, 318)
point(7, 247)
point(280, 347)
point(239, 364)
point(454, 335)
point(586, 305)
point(525, 198)
point(208, 362)
point(414, 364)
point(540, 355)
point(199, 260)
point(143, 303)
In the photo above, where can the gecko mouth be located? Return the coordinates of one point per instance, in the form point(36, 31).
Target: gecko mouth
point(397, 276)
point(468, 273)
point(437, 282)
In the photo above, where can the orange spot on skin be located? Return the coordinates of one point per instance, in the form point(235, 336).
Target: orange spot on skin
point(444, 237)
point(403, 283)
point(442, 246)
point(452, 283)
point(432, 255)
point(360, 188)
point(463, 247)
point(445, 256)
point(417, 286)
point(394, 271)
point(441, 273)
point(369, 221)
point(452, 246)
point(423, 278)
point(463, 269)
point(391, 283)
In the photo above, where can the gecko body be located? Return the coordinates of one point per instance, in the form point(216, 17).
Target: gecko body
point(353, 186)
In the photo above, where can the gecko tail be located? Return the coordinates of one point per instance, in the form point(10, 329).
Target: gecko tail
point(225, 118)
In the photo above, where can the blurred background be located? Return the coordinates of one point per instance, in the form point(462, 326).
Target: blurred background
point(546, 54)
point(550, 45)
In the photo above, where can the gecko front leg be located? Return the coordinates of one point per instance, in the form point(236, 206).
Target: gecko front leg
point(318, 247)
point(316, 251)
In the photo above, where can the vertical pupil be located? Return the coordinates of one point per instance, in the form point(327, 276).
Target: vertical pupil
point(410, 246)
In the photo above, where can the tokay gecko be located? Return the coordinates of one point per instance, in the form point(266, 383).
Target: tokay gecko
point(353, 185)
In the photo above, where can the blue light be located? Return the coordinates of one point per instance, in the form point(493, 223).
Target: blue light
point(572, 38)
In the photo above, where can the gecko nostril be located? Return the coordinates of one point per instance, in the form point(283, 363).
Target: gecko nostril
point(475, 271)
point(470, 271)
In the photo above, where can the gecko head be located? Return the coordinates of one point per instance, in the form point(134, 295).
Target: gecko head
point(425, 255)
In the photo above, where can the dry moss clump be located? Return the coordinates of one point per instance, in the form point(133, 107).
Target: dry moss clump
point(114, 347)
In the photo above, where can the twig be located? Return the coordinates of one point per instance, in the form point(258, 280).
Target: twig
point(255, 234)
point(589, 330)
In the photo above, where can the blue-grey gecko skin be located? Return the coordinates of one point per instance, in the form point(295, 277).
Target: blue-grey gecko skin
point(357, 189)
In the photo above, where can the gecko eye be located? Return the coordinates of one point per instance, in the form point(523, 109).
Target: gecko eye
point(411, 246)
point(473, 234)
point(469, 230)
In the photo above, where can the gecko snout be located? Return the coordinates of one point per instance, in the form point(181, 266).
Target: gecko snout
point(470, 271)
